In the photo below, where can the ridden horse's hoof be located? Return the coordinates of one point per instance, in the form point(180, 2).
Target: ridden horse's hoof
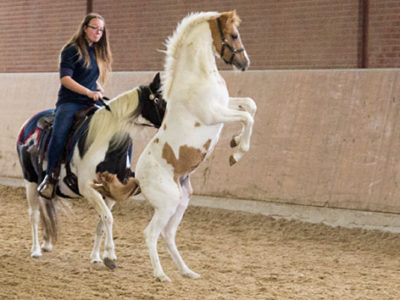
point(47, 247)
point(36, 255)
point(96, 261)
point(163, 278)
point(191, 275)
point(111, 264)
point(232, 161)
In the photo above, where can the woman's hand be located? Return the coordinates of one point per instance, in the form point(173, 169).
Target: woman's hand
point(94, 95)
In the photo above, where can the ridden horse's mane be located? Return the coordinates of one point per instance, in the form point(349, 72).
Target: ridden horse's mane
point(106, 124)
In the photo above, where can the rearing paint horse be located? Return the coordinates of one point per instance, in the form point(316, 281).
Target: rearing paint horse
point(198, 104)
point(102, 149)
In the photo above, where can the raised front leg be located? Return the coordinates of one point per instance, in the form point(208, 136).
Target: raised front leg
point(245, 104)
point(221, 114)
point(96, 200)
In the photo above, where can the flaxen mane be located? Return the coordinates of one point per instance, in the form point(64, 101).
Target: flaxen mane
point(103, 125)
point(174, 44)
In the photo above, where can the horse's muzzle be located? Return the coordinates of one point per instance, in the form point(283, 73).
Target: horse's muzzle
point(241, 62)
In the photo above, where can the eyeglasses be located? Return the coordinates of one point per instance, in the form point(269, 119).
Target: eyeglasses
point(96, 28)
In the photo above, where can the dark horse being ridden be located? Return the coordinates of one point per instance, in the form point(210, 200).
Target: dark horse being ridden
point(99, 148)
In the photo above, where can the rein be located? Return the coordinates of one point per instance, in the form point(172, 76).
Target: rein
point(225, 44)
point(105, 104)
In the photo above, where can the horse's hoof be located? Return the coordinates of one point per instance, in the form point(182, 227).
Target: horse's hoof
point(233, 142)
point(111, 264)
point(36, 254)
point(96, 261)
point(47, 248)
point(232, 161)
point(191, 274)
point(163, 278)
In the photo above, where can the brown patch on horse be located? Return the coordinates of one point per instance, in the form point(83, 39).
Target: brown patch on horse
point(165, 127)
point(109, 185)
point(156, 140)
point(189, 159)
point(215, 34)
point(197, 124)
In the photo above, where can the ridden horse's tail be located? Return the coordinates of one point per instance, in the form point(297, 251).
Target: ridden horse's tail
point(49, 218)
point(31, 146)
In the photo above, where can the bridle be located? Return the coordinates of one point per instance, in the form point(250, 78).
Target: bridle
point(225, 44)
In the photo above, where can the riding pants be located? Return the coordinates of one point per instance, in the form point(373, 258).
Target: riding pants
point(63, 122)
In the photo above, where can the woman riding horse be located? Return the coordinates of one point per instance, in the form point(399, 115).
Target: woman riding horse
point(83, 60)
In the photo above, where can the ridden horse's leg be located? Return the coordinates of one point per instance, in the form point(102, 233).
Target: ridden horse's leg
point(47, 246)
point(95, 199)
point(246, 104)
point(221, 114)
point(169, 232)
point(95, 254)
point(34, 215)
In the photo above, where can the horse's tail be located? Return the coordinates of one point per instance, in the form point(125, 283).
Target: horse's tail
point(48, 215)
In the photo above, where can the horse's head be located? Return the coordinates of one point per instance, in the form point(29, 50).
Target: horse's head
point(227, 40)
point(153, 104)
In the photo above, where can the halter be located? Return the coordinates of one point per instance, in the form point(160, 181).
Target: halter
point(225, 44)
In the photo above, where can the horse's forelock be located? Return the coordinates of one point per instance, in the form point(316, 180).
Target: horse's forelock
point(230, 18)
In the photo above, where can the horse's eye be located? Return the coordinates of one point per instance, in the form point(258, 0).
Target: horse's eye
point(234, 36)
point(156, 100)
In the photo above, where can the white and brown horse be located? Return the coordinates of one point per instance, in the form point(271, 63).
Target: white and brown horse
point(198, 105)
point(101, 150)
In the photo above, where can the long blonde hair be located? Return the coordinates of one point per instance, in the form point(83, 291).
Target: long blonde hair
point(101, 48)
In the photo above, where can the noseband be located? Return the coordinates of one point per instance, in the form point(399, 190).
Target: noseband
point(225, 44)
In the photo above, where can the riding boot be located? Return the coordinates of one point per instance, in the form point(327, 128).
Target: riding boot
point(48, 186)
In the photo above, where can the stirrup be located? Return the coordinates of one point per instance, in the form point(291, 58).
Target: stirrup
point(46, 188)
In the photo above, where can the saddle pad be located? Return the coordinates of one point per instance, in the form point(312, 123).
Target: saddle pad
point(30, 133)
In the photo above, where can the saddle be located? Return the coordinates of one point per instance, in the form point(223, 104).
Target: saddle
point(45, 124)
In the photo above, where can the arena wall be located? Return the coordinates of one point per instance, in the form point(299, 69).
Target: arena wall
point(323, 138)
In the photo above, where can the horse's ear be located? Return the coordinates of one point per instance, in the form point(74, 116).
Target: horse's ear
point(156, 83)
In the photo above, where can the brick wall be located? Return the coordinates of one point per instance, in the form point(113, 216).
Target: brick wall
point(33, 32)
point(384, 34)
point(278, 34)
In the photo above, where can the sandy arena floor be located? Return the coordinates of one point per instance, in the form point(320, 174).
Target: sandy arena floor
point(239, 256)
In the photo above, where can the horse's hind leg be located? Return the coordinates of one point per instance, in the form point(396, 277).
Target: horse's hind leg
point(34, 216)
point(98, 237)
point(165, 202)
point(169, 231)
